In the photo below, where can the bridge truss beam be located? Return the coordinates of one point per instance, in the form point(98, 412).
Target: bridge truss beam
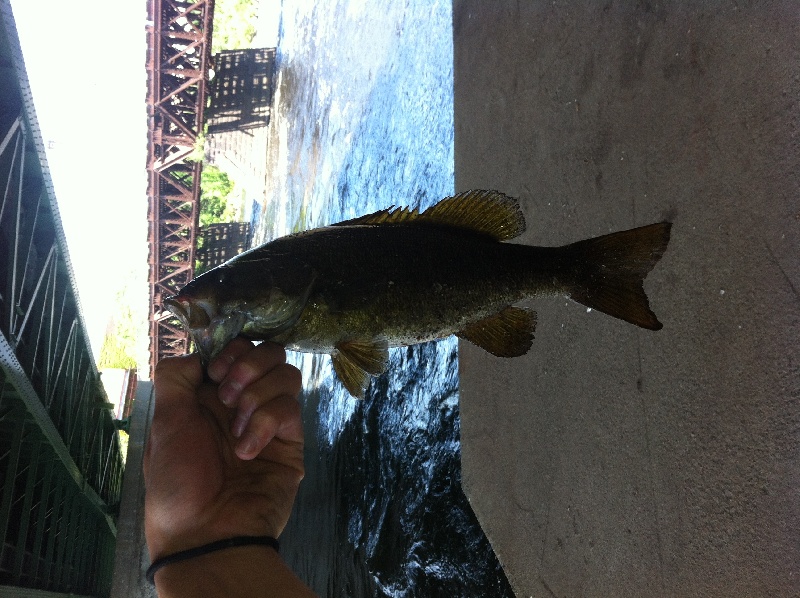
point(179, 56)
point(60, 462)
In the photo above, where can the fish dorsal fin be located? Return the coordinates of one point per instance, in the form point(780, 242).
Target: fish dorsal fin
point(355, 361)
point(505, 334)
point(488, 212)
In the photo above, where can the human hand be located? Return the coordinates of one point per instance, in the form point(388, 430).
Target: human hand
point(224, 457)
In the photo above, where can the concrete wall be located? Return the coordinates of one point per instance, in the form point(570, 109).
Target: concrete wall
point(132, 559)
point(613, 461)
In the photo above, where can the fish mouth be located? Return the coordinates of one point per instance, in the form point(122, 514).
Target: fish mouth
point(209, 330)
point(192, 313)
point(176, 306)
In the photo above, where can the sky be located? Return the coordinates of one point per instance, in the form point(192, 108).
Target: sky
point(85, 61)
point(86, 65)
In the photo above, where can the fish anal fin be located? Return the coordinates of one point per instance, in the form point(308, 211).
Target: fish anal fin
point(488, 212)
point(352, 377)
point(355, 361)
point(508, 333)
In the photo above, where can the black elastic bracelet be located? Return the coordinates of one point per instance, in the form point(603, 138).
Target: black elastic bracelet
point(184, 555)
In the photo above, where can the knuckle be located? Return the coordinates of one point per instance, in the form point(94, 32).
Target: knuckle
point(274, 351)
point(295, 410)
point(233, 350)
point(250, 400)
point(166, 364)
point(262, 427)
point(244, 371)
point(177, 365)
point(291, 377)
point(240, 342)
point(299, 474)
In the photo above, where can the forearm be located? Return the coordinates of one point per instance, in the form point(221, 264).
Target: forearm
point(241, 572)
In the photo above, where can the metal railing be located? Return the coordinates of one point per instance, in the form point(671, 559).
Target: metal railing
point(60, 462)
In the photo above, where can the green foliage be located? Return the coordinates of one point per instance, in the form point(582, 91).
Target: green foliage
point(216, 205)
point(114, 354)
point(122, 335)
point(199, 152)
point(215, 190)
point(123, 444)
point(234, 24)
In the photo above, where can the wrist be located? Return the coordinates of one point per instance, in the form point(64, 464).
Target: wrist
point(219, 570)
point(198, 551)
point(241, 571)
point(167, 539)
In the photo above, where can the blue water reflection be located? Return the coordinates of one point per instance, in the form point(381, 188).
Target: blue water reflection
point(363, 120)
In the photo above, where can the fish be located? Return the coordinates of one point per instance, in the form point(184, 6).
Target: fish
point(402, 276)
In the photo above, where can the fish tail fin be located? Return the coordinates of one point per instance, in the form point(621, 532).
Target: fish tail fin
point(611, 270)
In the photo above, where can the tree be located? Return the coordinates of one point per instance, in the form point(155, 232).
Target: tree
point(126, 330)
point(115, 353)
point(215, 189)
point(233, 24)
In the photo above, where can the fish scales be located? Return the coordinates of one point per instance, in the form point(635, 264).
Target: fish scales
point(412, 283)
point(400, 277)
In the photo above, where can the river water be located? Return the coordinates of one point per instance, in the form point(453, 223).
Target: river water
point(363, 120)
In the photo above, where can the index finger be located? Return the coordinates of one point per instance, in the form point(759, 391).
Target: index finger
point(248, 367)
point(221, 364)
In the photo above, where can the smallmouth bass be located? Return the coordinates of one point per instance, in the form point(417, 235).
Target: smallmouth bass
point(400, 277)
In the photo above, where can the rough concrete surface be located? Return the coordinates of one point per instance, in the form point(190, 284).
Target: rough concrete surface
point(614, 461)
point(131, 559)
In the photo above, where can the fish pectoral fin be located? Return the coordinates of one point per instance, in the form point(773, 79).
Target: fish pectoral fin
point(356, 360)
point(505, 334)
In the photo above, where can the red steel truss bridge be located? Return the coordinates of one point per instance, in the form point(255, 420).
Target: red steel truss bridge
point(178, 60)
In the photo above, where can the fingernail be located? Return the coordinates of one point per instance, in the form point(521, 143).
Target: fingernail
point(219, 367)
point(238, 426)
point(246, 446)
point(227, 394)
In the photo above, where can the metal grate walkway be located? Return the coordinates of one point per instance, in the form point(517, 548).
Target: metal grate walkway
point(60, 462)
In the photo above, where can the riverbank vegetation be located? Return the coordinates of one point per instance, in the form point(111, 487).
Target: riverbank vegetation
point(234, 24)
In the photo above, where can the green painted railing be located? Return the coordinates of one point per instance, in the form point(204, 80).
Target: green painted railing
point(60, 462)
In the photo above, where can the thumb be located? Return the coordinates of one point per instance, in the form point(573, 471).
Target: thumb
point(177, 378)
point(176, 382)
